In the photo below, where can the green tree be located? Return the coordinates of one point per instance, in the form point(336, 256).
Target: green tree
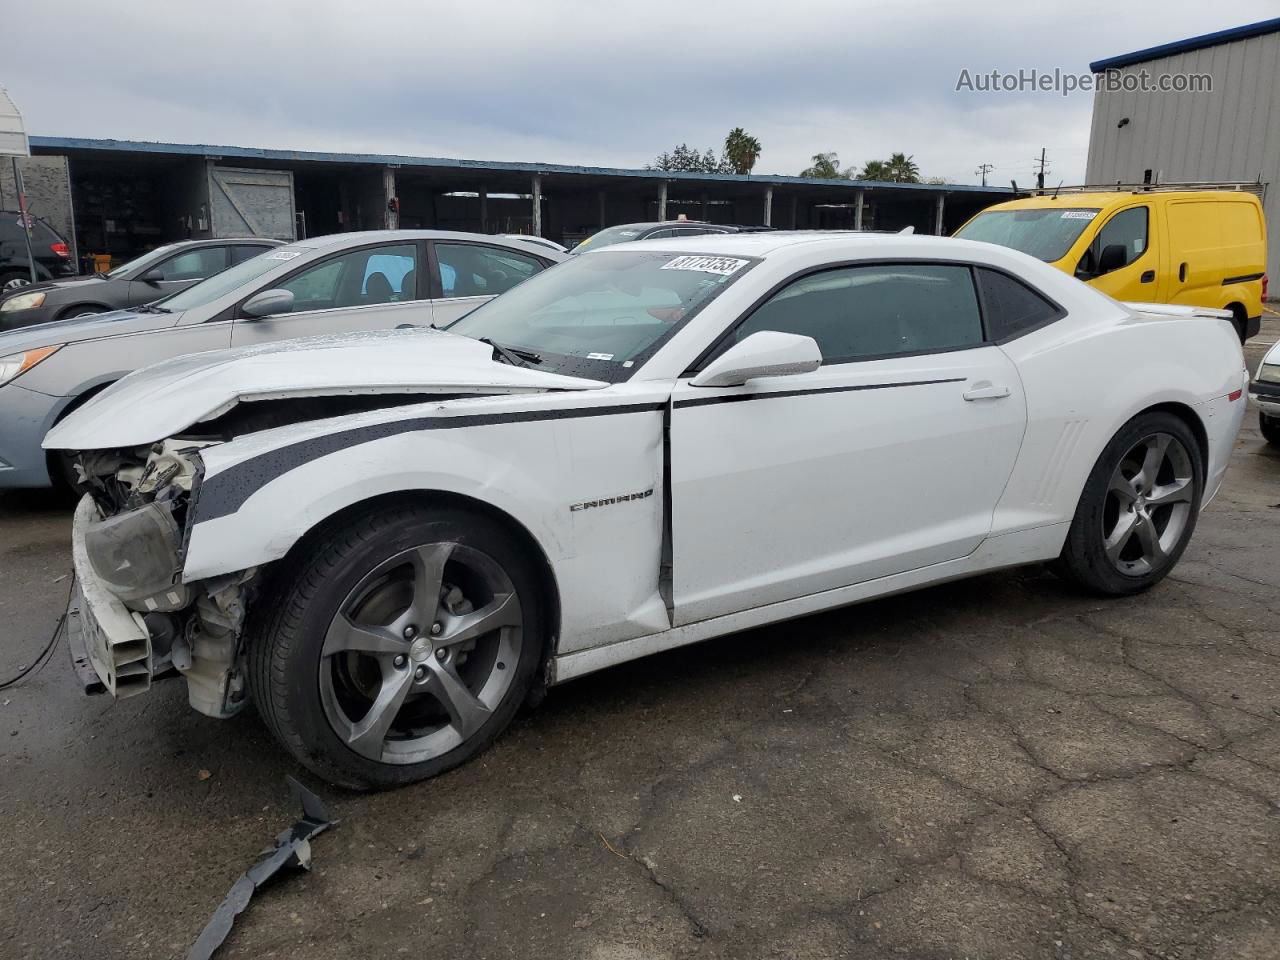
point(874, 170)
point(687, 159)
point(902, 169)
point(741, 151)
point(826, 166)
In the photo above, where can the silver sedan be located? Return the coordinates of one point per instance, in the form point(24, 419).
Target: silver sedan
point(342, 283)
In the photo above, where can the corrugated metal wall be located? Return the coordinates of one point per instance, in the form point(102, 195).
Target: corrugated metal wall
point(1232, 133)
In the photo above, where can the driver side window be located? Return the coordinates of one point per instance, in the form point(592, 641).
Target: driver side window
point(867, 312)
point(1127, 229)
point(194, 264)
point(356, 279)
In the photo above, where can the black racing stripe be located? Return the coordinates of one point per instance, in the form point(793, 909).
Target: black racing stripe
point(738, 397)
point(1244, 278)
point(224, 493)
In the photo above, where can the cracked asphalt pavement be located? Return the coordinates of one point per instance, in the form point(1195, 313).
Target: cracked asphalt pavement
point(997, 768)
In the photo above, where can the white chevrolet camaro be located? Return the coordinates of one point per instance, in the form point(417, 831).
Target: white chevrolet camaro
point(389, 541)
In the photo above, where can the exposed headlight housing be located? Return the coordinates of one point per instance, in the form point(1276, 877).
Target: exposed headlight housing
point(136, 555)
point(23, 301)
point(19, 363)
point(1268, 373)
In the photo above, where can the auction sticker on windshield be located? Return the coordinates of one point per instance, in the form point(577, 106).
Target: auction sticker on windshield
point(284, 254)
point(721, 266)
point(1079, 214)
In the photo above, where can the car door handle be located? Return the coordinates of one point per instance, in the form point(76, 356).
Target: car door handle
point(1147, 277)
point(1182, 272)
point(986, 390)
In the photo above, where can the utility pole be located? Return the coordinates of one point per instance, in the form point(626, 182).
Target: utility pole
point(1041, 173)
point(983, 170)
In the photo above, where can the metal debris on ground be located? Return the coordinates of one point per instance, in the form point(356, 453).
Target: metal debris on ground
point(292, 849)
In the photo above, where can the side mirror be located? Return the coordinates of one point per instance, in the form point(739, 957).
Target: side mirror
point(152, 277)
point(764, 354)
point(267, 303)
point(1114, 256)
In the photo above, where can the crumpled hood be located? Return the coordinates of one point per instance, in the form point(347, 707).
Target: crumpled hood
point(117, 323)
point(160, 401)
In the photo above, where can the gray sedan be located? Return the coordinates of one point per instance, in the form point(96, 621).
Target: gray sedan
point(342, 283)
point(162, 272)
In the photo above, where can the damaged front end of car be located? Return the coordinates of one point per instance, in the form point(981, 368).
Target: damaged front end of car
point(133, 619)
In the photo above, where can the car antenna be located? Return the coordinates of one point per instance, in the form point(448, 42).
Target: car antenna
point(1056, 189)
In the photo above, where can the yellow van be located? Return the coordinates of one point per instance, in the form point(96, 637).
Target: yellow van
point(1202, 248)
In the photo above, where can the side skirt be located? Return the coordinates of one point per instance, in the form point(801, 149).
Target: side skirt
point(995, 553)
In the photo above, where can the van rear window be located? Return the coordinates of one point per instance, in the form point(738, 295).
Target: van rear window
point(1044, 233)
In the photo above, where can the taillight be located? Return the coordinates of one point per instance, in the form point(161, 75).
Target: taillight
point(1234, 395)
point(60, 249)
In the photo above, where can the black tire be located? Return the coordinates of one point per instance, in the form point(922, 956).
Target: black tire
point(1084, 559)
point(289, 621)
point(9, 276)
point(1270, 428)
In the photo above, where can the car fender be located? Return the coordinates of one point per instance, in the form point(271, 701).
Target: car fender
point(547, 469)
point(1132, 366)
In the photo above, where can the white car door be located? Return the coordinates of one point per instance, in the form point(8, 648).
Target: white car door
point(467, 274)
point(889, 457)
point(369, 288)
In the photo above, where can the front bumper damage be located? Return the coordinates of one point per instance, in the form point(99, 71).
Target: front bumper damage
point(131, 620)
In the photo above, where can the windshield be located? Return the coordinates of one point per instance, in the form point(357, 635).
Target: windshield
point(601, 316)
point(136, 262)
point(609, 235)
point(1046, 233)
point(206, 291)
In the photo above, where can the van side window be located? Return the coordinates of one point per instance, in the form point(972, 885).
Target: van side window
point(1126, 230)
point(1011, 308)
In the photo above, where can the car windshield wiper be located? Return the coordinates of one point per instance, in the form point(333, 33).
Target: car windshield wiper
point(151, 308)
point(517, 358)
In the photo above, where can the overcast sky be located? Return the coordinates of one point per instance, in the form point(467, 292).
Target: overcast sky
point(585, 81)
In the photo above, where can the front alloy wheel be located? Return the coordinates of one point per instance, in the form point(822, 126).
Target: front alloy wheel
point(421, 653)
point(397, 644)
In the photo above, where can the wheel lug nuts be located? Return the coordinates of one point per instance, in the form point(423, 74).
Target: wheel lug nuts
point(400, 660)
point(436, 628)
point(420, 673)
point(410, 632)
point(441, 654)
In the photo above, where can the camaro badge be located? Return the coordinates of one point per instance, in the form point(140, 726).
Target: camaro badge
point(610, 501)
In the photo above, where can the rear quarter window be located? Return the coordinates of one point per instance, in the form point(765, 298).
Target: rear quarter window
point(1010, 308)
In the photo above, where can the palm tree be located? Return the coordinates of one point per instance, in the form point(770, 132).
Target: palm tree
point(826, 166)
point(741, 150)
point(902, 169)
point(874, 170)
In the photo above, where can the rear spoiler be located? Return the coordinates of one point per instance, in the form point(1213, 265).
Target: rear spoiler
point(1177, 310)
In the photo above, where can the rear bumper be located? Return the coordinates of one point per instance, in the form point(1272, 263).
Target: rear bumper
point(1222, 418)
point(25, 417)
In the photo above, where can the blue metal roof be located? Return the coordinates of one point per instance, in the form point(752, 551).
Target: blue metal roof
point(381, 159)
point(1183, 46)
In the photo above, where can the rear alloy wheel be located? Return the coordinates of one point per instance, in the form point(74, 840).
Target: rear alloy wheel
point(424, 659)
point(1270, 427)
point(12, 281)
point(1138, 508)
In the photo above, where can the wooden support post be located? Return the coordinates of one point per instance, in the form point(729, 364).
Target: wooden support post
point(390, 218)
point(937, 217)
point(662, 200)
point(857, 210)
point(484, 211)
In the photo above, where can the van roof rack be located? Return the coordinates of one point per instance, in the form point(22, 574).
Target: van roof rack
point(1256, 187)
